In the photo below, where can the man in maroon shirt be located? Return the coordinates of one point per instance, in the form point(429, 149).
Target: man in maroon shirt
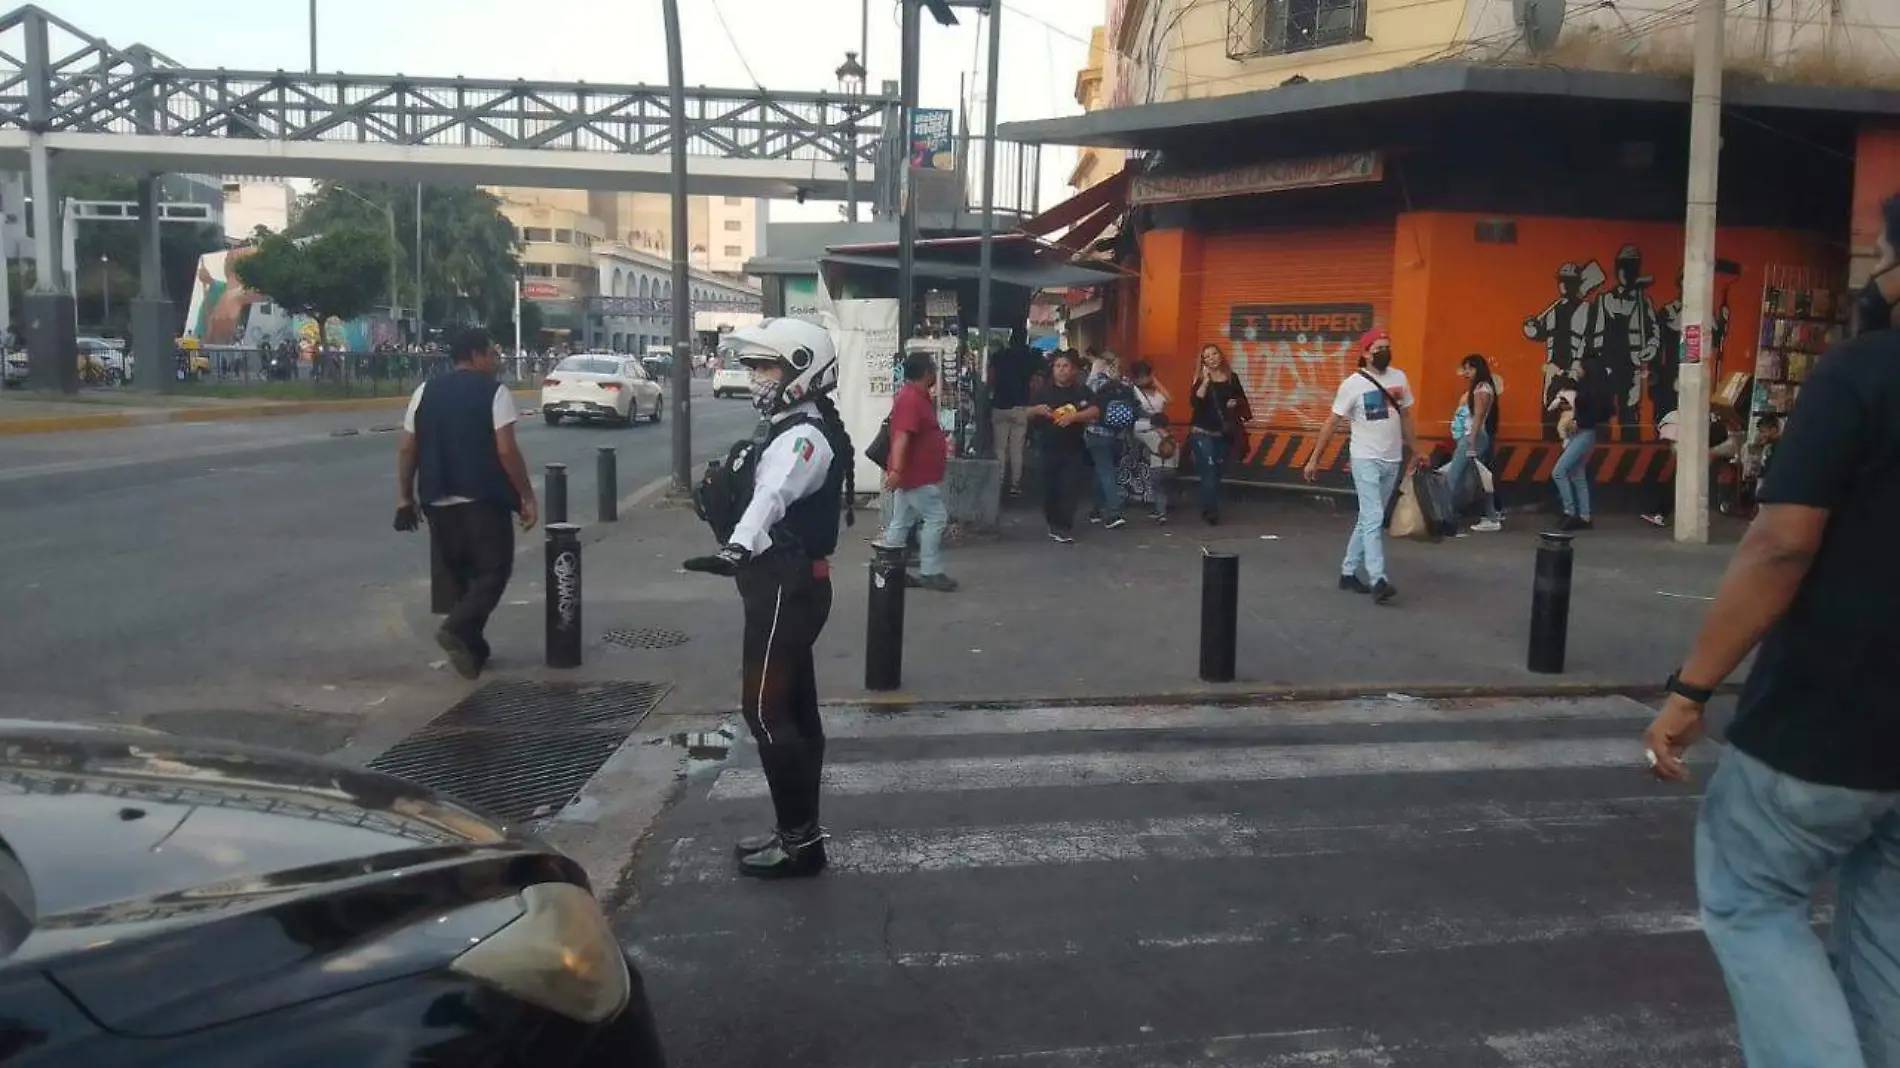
point(914, 479)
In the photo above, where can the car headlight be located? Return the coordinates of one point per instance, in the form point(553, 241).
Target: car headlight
point(559, 954)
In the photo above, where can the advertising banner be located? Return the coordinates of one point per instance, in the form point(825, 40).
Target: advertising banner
point(930, 142)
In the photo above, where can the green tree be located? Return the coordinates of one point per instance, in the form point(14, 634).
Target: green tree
point(468, 247)
point(340, 274)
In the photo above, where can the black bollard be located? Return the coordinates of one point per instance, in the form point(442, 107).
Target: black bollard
point(554, 494)
point(441, 583)
point(884, 622)
point(1550, 604)
point(1220, 615)
point(564, 596)
point(607, 487)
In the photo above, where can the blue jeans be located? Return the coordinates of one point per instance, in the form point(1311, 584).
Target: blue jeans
point(1374, 480)
point(1108, 494)
point(1763, 842)
point(1455, 471)
point(1572, 473)
point(911, 506)
point(1210, 455)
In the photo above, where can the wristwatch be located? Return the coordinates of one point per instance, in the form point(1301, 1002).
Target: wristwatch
point(1697, 694)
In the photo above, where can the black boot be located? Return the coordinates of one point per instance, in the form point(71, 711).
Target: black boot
point(793, 854)
point(792, 770)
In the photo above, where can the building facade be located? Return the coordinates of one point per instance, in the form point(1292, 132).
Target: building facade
point(1312, 169)
point(253, 202)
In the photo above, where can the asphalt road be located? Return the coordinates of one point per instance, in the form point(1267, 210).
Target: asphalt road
point(227, 567)
point(1378, 884)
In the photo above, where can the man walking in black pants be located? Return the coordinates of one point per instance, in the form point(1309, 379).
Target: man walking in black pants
point(459, 445)
point(1068, 407)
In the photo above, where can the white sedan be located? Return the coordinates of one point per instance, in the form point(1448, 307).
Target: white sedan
point(731, 378)
point(600, 385)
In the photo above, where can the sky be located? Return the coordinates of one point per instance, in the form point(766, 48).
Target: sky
point(781, 44)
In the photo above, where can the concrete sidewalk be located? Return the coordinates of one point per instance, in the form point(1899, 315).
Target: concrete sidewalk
point(1116, 616)
point(112, 409)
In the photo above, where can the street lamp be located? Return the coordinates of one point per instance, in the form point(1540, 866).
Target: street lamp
point(395, 246)
point(105, 296)
point(851, 81)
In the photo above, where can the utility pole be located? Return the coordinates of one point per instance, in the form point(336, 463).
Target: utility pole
point(418, 263)
point(313, 36)
point(984, 443)
point(1698, 279)
point(682, 274)
point(906, 188)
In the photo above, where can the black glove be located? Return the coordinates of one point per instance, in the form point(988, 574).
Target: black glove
point(407, 519)
point(726, 561)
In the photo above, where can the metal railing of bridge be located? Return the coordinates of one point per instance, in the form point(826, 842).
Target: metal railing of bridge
point(95, 87)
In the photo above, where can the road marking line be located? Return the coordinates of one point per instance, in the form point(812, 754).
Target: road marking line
point(1640, 1040)
point(1264, 1049)
point(1250, 764)
point(873, 723)
point(1196, 838)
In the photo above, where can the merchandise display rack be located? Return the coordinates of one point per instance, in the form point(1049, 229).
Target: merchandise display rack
point(1803, 311)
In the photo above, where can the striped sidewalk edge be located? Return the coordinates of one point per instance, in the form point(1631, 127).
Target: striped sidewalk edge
point(1242, 694)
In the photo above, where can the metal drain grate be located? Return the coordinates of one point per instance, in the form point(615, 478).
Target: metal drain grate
point(646, 638)
point(521, 750)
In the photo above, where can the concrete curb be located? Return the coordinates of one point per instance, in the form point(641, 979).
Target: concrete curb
point(1641, 691)
point(159, 417)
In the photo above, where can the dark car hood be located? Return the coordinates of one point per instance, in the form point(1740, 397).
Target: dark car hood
point(142, 850)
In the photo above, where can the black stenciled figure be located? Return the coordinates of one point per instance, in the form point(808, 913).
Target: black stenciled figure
point(775, 505)
point(1563, 327)
point(1625, 339)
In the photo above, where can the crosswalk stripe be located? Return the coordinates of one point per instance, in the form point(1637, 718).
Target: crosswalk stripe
point(1246, 764)
point(872, 723)
point(1267, 1049)
point(1193, 838)
point(1642, 1040)
point(1375, 933)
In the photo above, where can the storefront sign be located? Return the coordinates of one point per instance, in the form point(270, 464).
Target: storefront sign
point(930, 147)
point(1292, 357)
point(540, 291)
point(1270, 177)
point(940, 304)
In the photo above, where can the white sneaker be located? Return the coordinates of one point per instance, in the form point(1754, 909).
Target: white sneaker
point(1487, 526)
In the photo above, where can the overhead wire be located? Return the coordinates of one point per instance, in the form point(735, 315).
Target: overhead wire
point(720, 14)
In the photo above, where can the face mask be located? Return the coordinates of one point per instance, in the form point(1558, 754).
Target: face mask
point(1381, 361)
point(1872, 309)
point(766, 394)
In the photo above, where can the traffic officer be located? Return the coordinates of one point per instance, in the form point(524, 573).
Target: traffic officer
point(789, 488)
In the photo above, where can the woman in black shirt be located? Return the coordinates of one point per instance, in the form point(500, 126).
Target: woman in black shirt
point(1219, 414)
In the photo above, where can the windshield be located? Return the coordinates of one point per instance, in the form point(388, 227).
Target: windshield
point(589, 365)
point(732, 364)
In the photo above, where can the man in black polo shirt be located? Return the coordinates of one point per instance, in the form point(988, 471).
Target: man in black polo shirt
point(459, 444)
point(1810, 783)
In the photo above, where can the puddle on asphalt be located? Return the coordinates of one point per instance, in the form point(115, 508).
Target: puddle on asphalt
point(705, 750)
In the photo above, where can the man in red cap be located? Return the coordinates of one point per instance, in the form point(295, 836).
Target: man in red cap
point(1374, 405)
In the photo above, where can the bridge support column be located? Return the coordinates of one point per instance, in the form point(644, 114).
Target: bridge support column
point(52, 346)
point(152, 341)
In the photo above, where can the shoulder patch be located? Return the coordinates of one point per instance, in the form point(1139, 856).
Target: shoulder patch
point(804, 448)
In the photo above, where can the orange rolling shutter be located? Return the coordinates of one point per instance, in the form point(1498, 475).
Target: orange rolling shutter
point(1288, 305)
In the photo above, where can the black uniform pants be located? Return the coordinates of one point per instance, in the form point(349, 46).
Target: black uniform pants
point(787, 599)
point(476, 542)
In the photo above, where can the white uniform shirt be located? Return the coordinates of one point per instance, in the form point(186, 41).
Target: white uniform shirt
point(504, 413)
point(791, 468)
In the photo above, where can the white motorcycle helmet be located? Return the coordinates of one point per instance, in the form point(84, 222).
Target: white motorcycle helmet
point(803, 349)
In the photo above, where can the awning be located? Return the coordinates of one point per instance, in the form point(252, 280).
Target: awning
point(1028, 276)
point(1159, 126)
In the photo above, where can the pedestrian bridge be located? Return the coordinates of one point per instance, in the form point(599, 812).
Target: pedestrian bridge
point(97, 107)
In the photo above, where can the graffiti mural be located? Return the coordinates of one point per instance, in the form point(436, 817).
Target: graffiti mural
point(223, 312)
point(1292, 357)
point(1615, 323)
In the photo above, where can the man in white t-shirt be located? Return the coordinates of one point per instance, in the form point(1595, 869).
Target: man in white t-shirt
point(1375, 404)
